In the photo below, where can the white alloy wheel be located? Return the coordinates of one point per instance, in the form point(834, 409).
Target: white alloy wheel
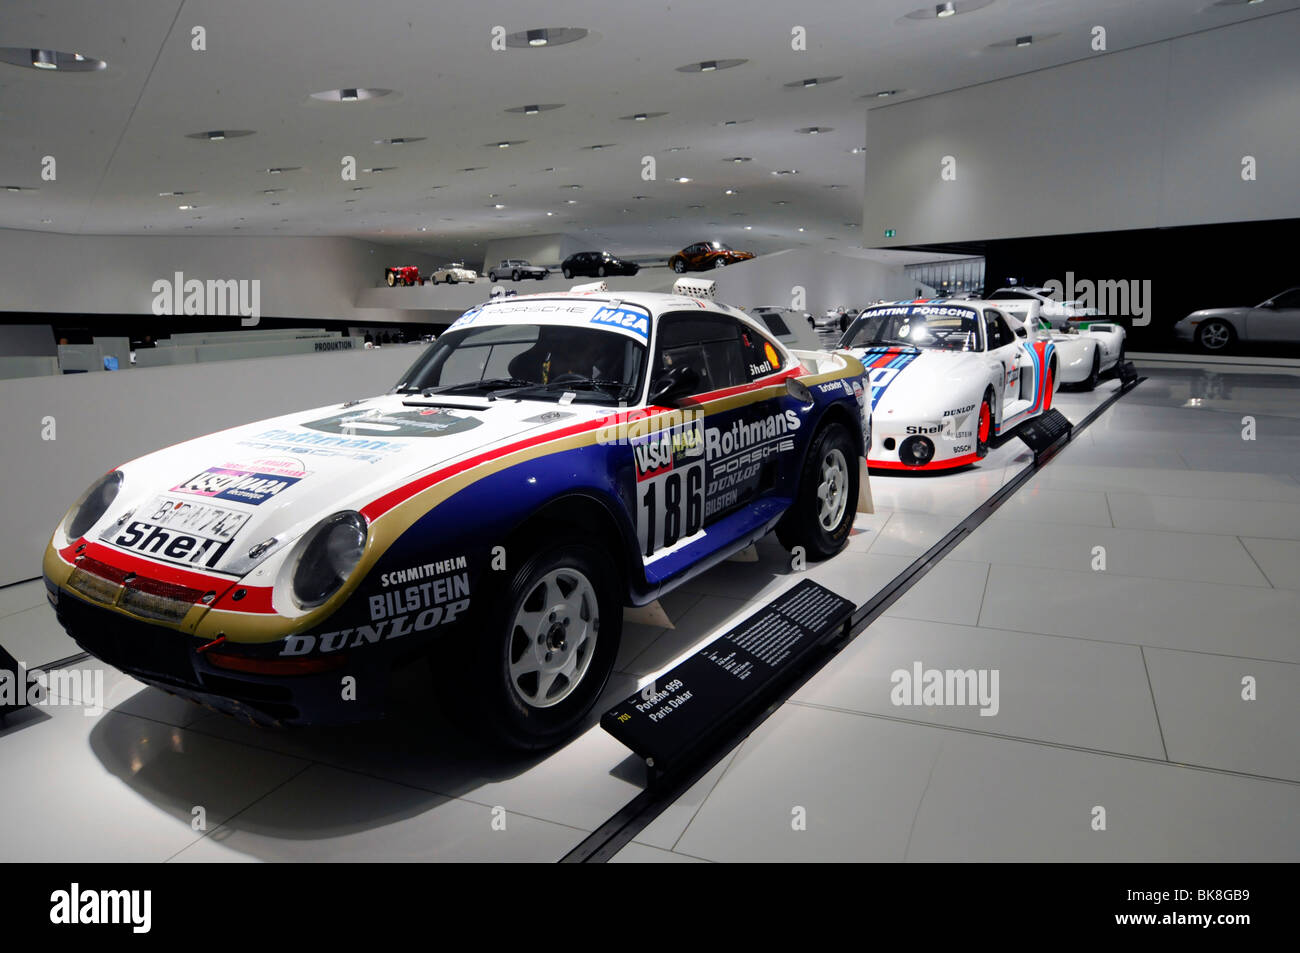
point(553, 638)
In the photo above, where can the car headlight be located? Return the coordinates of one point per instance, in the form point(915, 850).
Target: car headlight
point(329, 555)
point(93, 504)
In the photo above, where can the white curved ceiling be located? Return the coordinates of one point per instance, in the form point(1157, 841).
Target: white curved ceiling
point(119, 136)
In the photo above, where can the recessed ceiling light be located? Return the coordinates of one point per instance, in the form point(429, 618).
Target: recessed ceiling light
point(498, 205)
point(730, 191)
point(710, 66)
point(399, 141)
point(749, 228)
point(350, 94)
point(785, 172)
point(271, 191)
point(600, 145)
point(833, 186)
point(544, 37)
point(376, 169)
point(943, 11)
point(532, 109)
point(676, 148)
point(360, 188)
point(642, 117)
point(168, 195)
point(571, 186)
point(49, 60)
point(814, 130)
point(812, 82)
point(682, 178)
point(473, 168)
point(780, 202)
point(885, 93)
point(219, 135)
point(186, 208)
point(570, 201)
point(549, 214)
point(1021, 42)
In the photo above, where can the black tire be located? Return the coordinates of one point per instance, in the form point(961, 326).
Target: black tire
point(1119, 361)
point(720, 263)
point(802, 524)
point(679, 266)
point(1094, 378)
point(1215, 331)
point(600, 271)
point(452, 279)
point(514, 275)
point(983, 431)
point(492, 277)
point(567, 273)
point(478, 690)
point(390, 278)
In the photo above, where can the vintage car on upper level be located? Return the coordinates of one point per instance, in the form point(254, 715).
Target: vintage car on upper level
point(547, 460)
point(947, 377)
point(597, 264)
point(516, 269)
point(403, 275)
point(705, 255)
point(454, 273)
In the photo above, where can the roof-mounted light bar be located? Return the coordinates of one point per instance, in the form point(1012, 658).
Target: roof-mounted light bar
point(695, 287)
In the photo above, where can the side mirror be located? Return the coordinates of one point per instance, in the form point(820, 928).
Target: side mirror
point(1021, 332)
point(676, 383)
point(1268, 304)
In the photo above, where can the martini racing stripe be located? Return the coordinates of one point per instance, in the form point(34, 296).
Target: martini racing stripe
point(883, 365)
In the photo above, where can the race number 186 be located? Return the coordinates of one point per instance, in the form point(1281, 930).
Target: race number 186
point(671, 507)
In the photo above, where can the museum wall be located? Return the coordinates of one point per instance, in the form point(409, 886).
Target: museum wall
point(94, 433)
point(301, 277)
point(1148, 137)
point(845, 278)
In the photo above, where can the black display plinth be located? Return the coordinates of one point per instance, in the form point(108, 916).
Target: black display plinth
point(1046, 434)
point(12, 683)
point(683, 710)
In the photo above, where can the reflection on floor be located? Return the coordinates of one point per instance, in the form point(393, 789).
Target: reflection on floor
point(1131, 597)
point(1106, 676)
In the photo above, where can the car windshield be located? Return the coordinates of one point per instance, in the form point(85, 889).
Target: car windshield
point(719, 246)
point(531, 361)
point(926, 327)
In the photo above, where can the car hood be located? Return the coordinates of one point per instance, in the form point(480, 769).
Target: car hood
point(926, 385)
point(1215, 313)
point(285, 474)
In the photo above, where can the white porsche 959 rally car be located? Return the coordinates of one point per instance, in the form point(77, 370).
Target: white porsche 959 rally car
point(547, 460)
point(947, 376)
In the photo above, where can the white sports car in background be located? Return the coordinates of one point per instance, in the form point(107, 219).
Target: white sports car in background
point(1027, 304)
point(1086, 353)
point(947, 376)
point(834, 319)
point(453, 273)
point(1217, 329)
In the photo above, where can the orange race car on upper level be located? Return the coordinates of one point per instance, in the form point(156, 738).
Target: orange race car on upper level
point(705, 255)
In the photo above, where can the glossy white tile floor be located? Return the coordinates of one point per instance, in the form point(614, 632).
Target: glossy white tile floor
point(1121, 689)
point(873, 781)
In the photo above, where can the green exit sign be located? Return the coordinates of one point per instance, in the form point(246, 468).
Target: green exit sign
point(890, 233)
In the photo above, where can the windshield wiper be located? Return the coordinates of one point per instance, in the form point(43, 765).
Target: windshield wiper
point(577, 383)
point(496, 383)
